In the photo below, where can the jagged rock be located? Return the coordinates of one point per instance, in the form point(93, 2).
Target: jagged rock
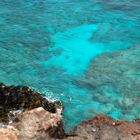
point(29, 113)
point(42, 120)
point(36, 124)
point(39, 123)
point(104, 128)
point(13, 98)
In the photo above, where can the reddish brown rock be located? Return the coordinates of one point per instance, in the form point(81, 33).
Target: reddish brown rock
point(102, 127)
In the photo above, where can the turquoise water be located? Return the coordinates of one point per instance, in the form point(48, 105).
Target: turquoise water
point(48, 44)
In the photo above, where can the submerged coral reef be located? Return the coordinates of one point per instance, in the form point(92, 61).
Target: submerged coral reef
point(114, 80)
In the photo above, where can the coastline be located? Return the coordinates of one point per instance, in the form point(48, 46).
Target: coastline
point(41, 119)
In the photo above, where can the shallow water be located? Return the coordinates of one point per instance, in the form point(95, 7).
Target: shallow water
point(47, 44)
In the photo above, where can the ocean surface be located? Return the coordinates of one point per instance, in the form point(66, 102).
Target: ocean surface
point(48, 44)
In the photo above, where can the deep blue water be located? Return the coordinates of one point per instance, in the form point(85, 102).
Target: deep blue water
point(47, 44)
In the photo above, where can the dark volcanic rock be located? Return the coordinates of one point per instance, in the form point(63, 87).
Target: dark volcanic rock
point(13, 98)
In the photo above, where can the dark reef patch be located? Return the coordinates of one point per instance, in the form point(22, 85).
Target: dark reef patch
point(114, 79)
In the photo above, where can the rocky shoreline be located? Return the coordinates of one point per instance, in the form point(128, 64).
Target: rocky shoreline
point(28, 115)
